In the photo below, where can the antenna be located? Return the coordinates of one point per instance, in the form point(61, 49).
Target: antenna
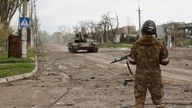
point(138, 2)
point(139, 14)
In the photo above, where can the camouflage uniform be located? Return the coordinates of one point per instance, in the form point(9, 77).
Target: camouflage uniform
point(148, 53)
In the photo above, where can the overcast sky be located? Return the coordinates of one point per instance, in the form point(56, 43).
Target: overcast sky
point(55, 13)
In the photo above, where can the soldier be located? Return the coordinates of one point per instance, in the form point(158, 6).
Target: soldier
point(147, 54)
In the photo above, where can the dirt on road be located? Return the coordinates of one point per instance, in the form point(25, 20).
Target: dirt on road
point(88, 80)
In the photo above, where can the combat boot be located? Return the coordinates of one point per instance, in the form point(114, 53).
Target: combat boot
point(139, 105)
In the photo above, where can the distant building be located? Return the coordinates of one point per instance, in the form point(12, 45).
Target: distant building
point(174, 32)
point(169, 28)
point(124, 33)
point(188, 30)
point(127, 30)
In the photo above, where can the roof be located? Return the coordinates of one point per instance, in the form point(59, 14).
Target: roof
point(186, 26)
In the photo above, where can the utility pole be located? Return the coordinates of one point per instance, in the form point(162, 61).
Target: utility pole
point(32, 24)
point(35, 24)
point(139, 13)
point(24, 30)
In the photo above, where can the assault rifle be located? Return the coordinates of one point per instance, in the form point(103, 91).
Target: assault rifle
point(127, 61)
point(120, 59)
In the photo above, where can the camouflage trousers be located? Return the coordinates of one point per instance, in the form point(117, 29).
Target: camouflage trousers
point(155, 87)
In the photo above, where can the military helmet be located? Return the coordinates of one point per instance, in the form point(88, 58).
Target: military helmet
point(149, 28)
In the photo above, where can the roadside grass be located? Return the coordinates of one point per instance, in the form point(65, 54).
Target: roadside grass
point(14, 66)
point(15, 69)
point(186, 42)
point(117, 45)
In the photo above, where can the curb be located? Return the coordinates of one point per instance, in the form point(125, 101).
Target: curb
point(21, 76)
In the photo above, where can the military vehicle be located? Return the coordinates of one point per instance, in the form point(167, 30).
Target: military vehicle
point(82, 43)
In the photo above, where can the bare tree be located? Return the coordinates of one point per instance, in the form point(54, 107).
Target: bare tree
point(7, 10)
point(114, 24)
point(57, 37)
point(105, 22)
point(76, 29)
point(104, 31)
point(81, 27)
point(110, 26)
point(99, 33)
point(92, 27)
point(85, 27)
point(66, 34)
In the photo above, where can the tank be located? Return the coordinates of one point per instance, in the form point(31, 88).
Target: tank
point(82, 43)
